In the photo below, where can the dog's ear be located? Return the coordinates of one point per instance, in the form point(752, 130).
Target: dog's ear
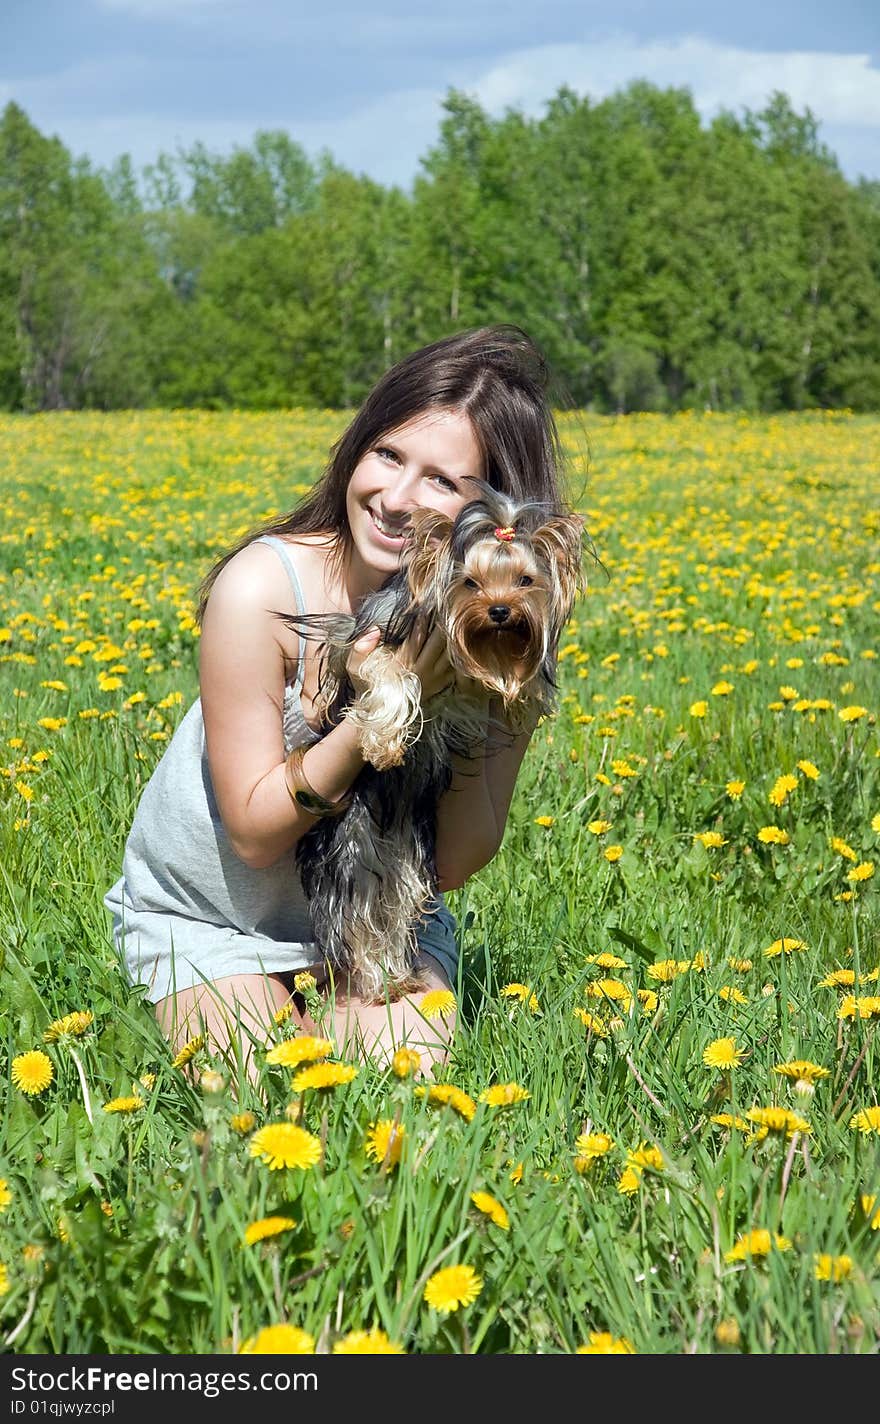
point(428, 547)
point(560, 542)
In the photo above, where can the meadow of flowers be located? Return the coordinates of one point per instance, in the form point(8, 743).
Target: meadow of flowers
point(659, 1130)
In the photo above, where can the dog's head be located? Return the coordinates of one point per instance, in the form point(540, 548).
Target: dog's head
point(500, 579)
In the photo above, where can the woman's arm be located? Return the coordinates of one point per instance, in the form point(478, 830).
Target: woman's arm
point(242, 668)
point(472, 815)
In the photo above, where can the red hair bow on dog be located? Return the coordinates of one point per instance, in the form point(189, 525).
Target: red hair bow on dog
point(506, 533)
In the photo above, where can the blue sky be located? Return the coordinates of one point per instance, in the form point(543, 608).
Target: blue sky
point(366, 81)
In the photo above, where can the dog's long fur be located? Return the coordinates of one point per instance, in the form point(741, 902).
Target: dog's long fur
point(500, 581)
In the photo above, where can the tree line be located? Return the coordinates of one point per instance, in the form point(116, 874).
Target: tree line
point(659, 262)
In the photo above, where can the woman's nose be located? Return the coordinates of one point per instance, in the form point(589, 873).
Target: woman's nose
point(399, 495)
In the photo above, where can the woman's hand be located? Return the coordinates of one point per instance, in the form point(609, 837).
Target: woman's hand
point(428, 658)
point(359, 653)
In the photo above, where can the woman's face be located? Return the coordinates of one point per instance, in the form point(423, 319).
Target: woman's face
point(427, 463)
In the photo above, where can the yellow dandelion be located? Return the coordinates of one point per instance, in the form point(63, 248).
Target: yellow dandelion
point(590, 1146)
point(592, 1022)
point(5, 1194)
point(613, 853)
point(839, 844)
point(665, 970)
point(294, 1051)
point(809, 769)
point(72, 1025)
point(783, 946)
point(861, 872)
point(867, 1202)
point(838, 979)
point(323, 1075)
point(304, 982)
point(242, 1123)
point(758, 1242)
point(852, 714)
point(699, 709)
point(266, 1227)
point(782, 787)
point(545, 821)
point(722, 689)
point(491, 1208)
point(629, 1181)
point(281, 1015)
point(645, 1156)
point(778, 1120)
point(648, 1000)
point(875, 823)
point(384, 1142)
point(602, 1342)
point(832, 1268)
point(607, 961)
point(598, 828)
point(503, 1095)
point(613, 989)
point(452, 1287)
point(803, 1069)
point(405, 1062)
point(367, 1342)
point(279, 1340)
point(516, 1175)
point(131, 1104)
point(32, 1072)
point(438, 1003)
point(728, 1120)
point(189, 1051)
point(283, 1144)
point(735, 789)
point(712, 840)
point(730, 994)
point(868, 1120)
point(742, 966)
point(723, 1053)
point(4, 1279)
point(448, 1095)
point(727, 1332)
point(773, 835)
point(865, 1006)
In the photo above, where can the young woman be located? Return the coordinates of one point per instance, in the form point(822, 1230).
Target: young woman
point(209, 911)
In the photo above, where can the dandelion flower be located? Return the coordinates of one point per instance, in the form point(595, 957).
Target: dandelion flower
point(283, 1144)
point(783, 946)
point(861, 872)
point(866, 1006)
point(735, 789)
point(809, 769)
point(545, 821)
point(832, 1268)
point(4, 1279)
point(840, 845)
point(437, 1004)
point(723, 1053)
point(323, 1075)
point(730, 994)
point(367, 1342)
point(782, 786)
point(759, 1242)
point(267, 1226)
point(665, 970)
point(598, 828)
point(613, 853)
point(242, 1123)
point(491, 1208)
point(867, 1202)
point(304, 982)
point(189, 1051)
point(405, 1062)
point(131, 1104)
point(728, 1120)
point(722, 689)
point(294, 1051)
point(502, 1095)
point(605, 960)
point(452, 1287)
point(602, 1342)
point(629, 1182)
point(712, 840)
point(773, 835)
point(699, 709)
point(801, 1068)
point(868, 1120)
point(648, 1000)
point(592, 1022)
point(590, 1146)
point(613, 989)
point(852, 714)
point(778, 1120)
point(32, 1072)
point(70, 1026)
point(5, 1194)
point(279, 1340)
point(385, 1142)
point(447, 1094)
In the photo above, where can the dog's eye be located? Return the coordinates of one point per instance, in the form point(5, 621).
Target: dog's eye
point(470, 583)
point(526, 581)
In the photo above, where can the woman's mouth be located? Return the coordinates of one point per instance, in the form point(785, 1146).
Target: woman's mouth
point(391, 533)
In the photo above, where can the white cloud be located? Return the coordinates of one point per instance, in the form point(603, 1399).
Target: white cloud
point(838, 88)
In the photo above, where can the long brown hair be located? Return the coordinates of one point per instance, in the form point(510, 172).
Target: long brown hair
point(496, 376)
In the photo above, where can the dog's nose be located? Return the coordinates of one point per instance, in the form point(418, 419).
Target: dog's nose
point(499, 612)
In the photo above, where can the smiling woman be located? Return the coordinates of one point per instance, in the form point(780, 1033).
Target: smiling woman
point(210, 910)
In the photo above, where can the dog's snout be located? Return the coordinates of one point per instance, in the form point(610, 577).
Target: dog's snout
point(499, 612)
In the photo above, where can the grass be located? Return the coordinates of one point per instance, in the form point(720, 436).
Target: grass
point(731, 638)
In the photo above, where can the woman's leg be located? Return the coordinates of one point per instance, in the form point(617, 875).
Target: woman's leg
point(234, 1013)
point(359, 1029)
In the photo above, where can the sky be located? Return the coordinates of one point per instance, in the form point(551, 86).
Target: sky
point(367, 81)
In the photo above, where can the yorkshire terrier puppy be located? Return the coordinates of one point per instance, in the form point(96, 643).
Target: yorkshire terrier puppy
point(499, 581)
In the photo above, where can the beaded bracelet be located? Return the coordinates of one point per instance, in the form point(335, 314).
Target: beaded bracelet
point(304, 794)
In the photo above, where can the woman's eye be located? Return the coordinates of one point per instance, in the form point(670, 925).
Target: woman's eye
point(526, 581)
point(447, 484)
point(385, 453)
